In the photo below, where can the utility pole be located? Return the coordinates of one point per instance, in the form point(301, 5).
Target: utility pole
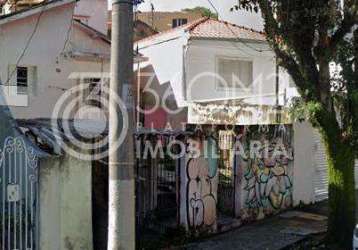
point(121, 218)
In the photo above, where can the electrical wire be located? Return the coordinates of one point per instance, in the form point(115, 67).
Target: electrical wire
point(228, 26)
point(68, 33)
point(27, 45)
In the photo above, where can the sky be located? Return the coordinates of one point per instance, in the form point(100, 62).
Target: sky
point(223, 7)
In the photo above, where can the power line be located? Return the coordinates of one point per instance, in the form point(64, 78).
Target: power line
point(237, 38)
point(27, 45)
point(68, 33)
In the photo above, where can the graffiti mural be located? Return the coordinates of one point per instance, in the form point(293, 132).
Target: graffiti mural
point(202, 190)
point(267, 177)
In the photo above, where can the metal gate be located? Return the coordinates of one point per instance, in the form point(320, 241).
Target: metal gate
point(226, 185)
point(156, 192)
point(18, 195)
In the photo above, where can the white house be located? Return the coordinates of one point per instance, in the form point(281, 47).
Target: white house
point(46, 50)
point(209, 62)
point(210, 72)
point(41, 48)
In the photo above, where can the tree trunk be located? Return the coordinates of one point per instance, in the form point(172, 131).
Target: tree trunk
point(341, 221)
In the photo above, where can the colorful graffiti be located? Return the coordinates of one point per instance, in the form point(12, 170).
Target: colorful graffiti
point(267, 179)
point(202, 191)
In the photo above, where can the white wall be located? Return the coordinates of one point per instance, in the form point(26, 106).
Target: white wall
point(44, 52)
point(65, 212)
point(304, 164)
point(201, 60)
point(167, 53)
point(97, 12)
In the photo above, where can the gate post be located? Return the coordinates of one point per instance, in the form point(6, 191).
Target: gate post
point(198, 189)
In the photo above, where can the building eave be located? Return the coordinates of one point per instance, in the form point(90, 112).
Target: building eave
point(33, 11)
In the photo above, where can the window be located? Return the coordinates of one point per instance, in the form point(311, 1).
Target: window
point(22, 79)
point(92, 92)
point(179, 22)
point(235, 73)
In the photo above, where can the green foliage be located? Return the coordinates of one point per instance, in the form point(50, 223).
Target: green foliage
point(205, 12)
point(305, 111)
point(306, 37)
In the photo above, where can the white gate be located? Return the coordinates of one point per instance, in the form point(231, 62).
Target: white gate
point(18, 195)
point(321, 169)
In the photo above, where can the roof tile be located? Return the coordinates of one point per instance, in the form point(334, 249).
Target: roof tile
point(209, 28)
point(215, 29)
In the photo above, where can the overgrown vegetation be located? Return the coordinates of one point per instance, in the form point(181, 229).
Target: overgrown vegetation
point(307, 37)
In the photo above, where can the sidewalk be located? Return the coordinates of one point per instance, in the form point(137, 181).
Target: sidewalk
point(273, 233)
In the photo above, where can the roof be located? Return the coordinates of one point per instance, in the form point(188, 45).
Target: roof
point(92, 31)
point(35, 9)
point(50, 139)
point(211, 28)
point(208, 28)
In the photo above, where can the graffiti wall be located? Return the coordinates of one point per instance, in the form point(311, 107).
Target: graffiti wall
point(266, 171)
point(201, 181)
point(262, 175)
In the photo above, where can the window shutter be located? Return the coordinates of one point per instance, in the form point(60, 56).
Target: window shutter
point(245, 72)
point(235, 73)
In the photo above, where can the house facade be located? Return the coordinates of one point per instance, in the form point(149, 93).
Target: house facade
point(209, 64)
point(222, 80)
point(44, 51)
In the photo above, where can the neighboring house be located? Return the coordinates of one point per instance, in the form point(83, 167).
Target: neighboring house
point(162, 21)
point(45, 52)
point(17, 5)
point(90, 12)
point(46, 202)
point(159, 21)
point(140, 30)
point(210, 72)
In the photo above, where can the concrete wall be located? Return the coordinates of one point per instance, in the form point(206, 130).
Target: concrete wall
point(45, 53)
point(199, 182)
point(263, 185)
point(65, 205)
point(266, 183)
point(304, 165)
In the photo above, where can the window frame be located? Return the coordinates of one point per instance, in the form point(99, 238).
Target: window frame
point(233, 58)
point(179, 22)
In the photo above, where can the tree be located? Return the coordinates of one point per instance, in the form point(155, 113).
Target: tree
point(205, 12)
point(306, 37)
